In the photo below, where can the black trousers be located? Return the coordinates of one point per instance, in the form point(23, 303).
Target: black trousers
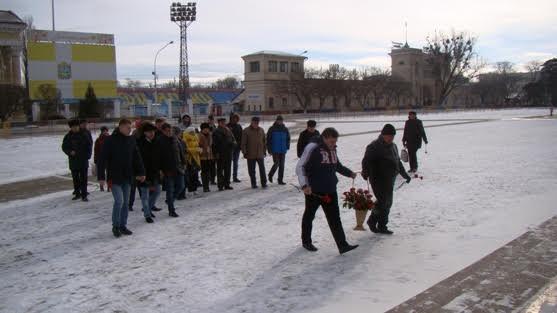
point(79, 178)
point(206, 173)
point(224, 169)
point(278, 163)
point(332, 214)
point(413, 158)
point(251, 170)
point(383, 191)
point(213, 171)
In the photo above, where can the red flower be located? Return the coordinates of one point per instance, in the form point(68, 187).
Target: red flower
point(352, 189)
point(366, 192)
point(416, 176)
point(326, 199)
point(421, 177)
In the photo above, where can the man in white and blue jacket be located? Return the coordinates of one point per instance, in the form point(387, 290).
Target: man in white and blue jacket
point(278, 143)
point(316, 172)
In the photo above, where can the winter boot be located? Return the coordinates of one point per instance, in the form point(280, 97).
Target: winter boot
point(236, 180)
point(172, 213)
point(309, 246)
point(281, 182)
point(125, 231)
point(228, 188)
point(347, 248)
point(85, 199)
point(116, 232)
point(149, 220)
point(385, 231)
point(76, 197)
point(156, 209)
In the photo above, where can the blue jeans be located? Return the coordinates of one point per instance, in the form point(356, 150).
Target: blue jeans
point(149, 198)
point(235, 159)
point(173, 185)
point(121, 194)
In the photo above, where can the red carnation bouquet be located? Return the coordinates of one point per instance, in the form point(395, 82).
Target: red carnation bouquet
point(359, 200)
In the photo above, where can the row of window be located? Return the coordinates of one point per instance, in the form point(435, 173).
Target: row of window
point(275, 66)
point(271, 104)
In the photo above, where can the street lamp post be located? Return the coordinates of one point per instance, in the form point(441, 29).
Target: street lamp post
point(183, 15)
point(155, 69)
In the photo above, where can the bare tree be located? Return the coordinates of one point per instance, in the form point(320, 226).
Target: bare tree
point(454, 61)
point(130, 83)
point(229, 82)
point(534, 68)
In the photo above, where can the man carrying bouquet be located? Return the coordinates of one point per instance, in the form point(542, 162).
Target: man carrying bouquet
point(316, 172)
point(381, 165)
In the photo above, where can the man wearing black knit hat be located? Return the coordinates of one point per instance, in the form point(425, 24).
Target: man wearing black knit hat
point(381, 165)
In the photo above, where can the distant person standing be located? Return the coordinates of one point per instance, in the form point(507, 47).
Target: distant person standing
point(412, 138)
point(223, 146)
point(172, 160)
point(317, 173)
point(77, 147)
point(150, 189)
point(278, 143)
point(206, 145)
point(381, 165)
point(98, 146)
point(186, 121)
point(253, 149)
point(236, 129)
point(193, 151)
point(212, 127)
point(121, 159)
point(158, 124)
point(306, 136)
point(83, 127)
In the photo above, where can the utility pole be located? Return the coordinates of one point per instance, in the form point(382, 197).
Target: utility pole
point(53, 19)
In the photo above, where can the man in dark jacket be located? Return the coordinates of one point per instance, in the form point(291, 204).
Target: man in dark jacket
point(278, 143)
point(150, 189)
point(223, 146)
point(236, 129)
point(381, 165)
point(306, 136)
point(316, 172)
point(412, 138)
point(98, 147)
point(172, 161)
point(77, 147)
point(83, 128)
point(121, 158)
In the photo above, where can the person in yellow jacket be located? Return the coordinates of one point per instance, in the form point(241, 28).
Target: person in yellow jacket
point(193, 152)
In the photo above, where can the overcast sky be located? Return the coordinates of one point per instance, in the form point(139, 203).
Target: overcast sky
point(353, 33)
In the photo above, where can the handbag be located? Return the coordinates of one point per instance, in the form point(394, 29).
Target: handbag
point(404, 155)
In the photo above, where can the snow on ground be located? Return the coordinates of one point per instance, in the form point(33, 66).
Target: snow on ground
point(484, 184)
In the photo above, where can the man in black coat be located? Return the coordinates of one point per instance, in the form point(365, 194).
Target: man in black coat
point(85, 130)
point(121, 158)
point(223, 146)
point(150, 189)
point(306, 136)
point(412, 138)
point(316, 172)
point(236, 128)
point(172, 162)
point(77, 146)
point(381, 165)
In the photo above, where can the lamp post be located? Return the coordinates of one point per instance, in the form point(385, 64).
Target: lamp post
point(155, 69)
point(183, 15)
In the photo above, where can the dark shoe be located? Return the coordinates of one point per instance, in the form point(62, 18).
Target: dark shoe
point(270, 179)
point(78, 196)
point(116, 232)
point(173, 214)
point(181, 198)
point(206, 190)
point(85, 199)
point(228, 188)
point(236, 180)
point(254, 186)
point(347, 248)
point(152, 215)
point(281, 183)
point(372, 223)
point(264, 186)
point(149, 220)
point(125, 231)
point(309, 247)
point(156, 209)
point(385, 231)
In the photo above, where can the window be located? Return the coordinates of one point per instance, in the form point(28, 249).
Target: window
point(295, 67)
point(254, 67)
point(273, 66)
point(271, 102)
point(283, 67)
point(284, 101)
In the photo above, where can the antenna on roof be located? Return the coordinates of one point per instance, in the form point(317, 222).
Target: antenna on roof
point(406, 35)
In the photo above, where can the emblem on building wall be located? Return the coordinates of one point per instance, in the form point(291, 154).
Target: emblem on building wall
point(64, 70)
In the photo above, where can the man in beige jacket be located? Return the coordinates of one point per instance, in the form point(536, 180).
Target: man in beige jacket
point(253, 149)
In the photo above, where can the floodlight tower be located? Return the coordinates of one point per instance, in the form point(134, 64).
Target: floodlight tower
point(183, 15)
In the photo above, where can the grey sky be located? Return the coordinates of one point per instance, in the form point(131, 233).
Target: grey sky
point(353, 33)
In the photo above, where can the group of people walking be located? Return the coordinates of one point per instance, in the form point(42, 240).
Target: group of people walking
point(161, 157)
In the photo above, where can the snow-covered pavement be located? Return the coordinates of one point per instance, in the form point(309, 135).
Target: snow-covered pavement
point(484, 184)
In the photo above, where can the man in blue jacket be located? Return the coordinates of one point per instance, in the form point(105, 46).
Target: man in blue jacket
point(120, 157)
point(316, 172)
point(278, 143)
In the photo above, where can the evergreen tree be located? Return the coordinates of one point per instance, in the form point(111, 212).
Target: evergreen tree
point(89, 106)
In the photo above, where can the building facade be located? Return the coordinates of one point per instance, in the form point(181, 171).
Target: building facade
point(12, 30)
